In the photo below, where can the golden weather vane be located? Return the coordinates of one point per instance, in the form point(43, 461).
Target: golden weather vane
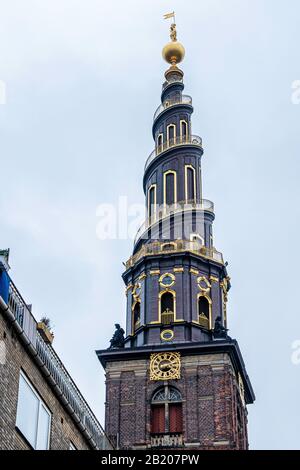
point(173, 32)
point(173, 52)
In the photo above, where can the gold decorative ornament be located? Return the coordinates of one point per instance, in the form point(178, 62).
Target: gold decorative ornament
point(203, 284)
point(173, 52)
point(167, 335)
point(194, 271)
point(178, 270)
point(127, 289)
point(224, 285)
point(167, 280)
point(136, 291)
point(155, 273)
point(165, 366)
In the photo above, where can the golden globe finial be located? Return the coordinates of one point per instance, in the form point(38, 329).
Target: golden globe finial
point(173, 52)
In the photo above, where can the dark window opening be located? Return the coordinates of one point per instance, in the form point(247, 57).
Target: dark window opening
point(170, 188)
point(184, 132)
point(167, 308)
point(190, 181)
point(171, 134)
point(137, 316)
point(204, 308)
point(151, 202)
point(159, 142)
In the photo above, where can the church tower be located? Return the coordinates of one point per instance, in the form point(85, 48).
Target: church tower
point(176, 379)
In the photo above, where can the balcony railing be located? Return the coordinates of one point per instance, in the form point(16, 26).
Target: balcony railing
point(167, 317)
point(184, 99)
point(175, 79)
point(161, 212)
point(21, 312)
point(167, 440)
point(177, 141)
point(177, 246)
point(48, 357)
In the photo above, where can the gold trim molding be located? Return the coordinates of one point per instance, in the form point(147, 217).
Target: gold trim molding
point(178, 270)
point(194, 271)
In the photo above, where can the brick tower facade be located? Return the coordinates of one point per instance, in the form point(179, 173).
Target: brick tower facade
point(176, 379)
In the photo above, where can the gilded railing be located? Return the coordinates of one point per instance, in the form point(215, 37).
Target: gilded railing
point(176, 246)
point(184, 99)
point(177, 141)
point(167, 318)
point(161, 212)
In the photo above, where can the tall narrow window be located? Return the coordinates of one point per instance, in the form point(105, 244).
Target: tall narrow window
point(33, 417)
point(167, 308)
point(200, 184)
point(171, 134)
point(136, 315)
point(190, 183)
point(204, 312)
point(152, 203)
point(183, 131)
point(158, 419)
point(166, 412)
point(160, 140)
point(175, 414)
point(170, 189)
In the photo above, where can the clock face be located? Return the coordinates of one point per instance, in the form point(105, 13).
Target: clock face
point(165, 366)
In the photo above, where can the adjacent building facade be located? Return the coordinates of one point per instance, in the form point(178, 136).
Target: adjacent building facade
point(40, 405)
point(177, 379)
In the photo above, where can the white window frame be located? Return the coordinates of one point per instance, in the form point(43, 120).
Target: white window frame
point(41, 405)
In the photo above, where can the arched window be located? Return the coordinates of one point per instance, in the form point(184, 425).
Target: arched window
point(136, 315)
point(170, 187)
point(160, 140)
point(167, 307)
point(168, 246)
point(183, 131)
point(204, 311)
point(152, 203)
point(171, 134)
point(190, 183)
point(166, 411)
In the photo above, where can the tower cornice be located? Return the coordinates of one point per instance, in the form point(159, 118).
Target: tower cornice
point(229, 346)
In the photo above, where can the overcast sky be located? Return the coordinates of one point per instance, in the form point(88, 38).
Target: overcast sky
point(83, 79)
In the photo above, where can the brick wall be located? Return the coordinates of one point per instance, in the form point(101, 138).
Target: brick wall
point(63, 428)
point(211, 403)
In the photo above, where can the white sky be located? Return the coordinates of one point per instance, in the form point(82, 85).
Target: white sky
point(83, 79)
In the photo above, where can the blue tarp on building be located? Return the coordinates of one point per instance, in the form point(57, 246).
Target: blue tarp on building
point(4, 285)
